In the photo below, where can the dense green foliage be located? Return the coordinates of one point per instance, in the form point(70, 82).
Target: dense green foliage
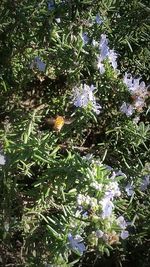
point(47, 170)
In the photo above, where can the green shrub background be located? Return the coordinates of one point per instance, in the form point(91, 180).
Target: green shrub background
point(44, 169)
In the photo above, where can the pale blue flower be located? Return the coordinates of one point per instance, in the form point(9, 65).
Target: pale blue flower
point(145, 182)
point(128, 80)
point(107, 207)
point(135, 86)
point(137, 89)
point(103, 46)
point(124, 234)
point(96, 107)
point(105, 52)
point(76, 243)
point(129, 189)
point(85, 38)
point(112, 190)
point(98, 19)
point(99, 233)
point(121, 222)
point(85, 214)
point(112, 56)
point(84, 96)
point(37, 63)
point(100, 65)
point(127, 109)
point(2, 160)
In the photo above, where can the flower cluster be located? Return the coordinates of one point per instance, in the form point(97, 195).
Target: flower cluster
point(86, 201)
point(122, 224)
point(105, 52)
point(111, 191)
point(84, 97)
point(127, 109)
point(139, 93)
point(98, 207)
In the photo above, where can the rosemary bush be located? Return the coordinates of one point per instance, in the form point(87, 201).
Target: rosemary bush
point(74, 133)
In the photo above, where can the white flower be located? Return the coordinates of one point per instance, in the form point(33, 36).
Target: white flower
point(127, 109)
point(58, 20)
point(2, 160)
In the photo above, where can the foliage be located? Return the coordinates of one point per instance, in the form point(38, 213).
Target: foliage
point(68, 182)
